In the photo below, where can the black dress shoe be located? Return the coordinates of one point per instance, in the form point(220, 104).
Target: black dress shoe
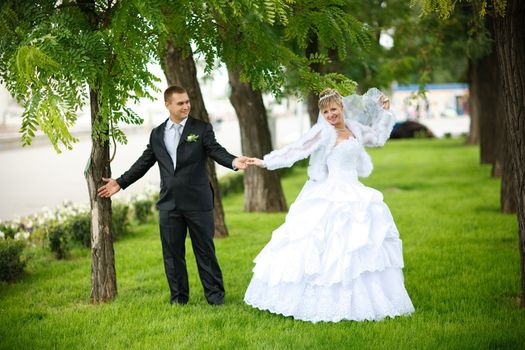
point(216, 302)
point(178, 301)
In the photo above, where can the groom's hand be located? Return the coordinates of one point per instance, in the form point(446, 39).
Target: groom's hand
point(240, 162)
point(110, 188)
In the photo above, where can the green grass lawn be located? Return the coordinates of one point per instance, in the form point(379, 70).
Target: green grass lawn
point(461, 257)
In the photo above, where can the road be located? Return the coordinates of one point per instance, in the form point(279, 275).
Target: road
point(35, 177)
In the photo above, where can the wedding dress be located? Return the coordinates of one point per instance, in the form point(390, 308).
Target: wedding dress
point(338, 255)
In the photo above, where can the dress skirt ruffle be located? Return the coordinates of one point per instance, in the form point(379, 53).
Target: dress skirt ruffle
point(337, 257)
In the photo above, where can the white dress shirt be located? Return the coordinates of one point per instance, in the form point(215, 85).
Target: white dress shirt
point(169, 139)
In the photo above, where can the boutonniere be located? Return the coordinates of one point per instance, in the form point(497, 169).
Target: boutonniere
point(192, 138)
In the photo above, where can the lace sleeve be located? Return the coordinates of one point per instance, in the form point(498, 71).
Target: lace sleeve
point(375, 123)
point(300, 149)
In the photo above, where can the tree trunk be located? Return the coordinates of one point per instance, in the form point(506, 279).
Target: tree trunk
point(313, 107)
point(508, 186)
point(502, 166)
point(179, 68)
point(510, 42)
point(474, 101)
point(312, 98)
point(485, 82)
point(262, 188)
point(103, 277)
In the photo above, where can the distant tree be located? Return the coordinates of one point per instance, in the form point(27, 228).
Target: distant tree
point(252, 45)
point(248, 37)
point(508, 17)
point(180, 69)
point(328, 33)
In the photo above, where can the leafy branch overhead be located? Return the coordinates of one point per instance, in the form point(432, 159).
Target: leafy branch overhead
point(261, 39)
point(52, 53)
point(50, 56)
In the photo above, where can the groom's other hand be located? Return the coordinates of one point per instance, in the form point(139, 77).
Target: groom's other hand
point(240, 162)
point(110, 188)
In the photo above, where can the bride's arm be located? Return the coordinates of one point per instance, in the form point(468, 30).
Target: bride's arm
point(288, 155)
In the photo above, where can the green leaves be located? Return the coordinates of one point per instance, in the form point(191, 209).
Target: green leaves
point(331, 22)
point(51, 55)
point(30, 62)
point(445, 8)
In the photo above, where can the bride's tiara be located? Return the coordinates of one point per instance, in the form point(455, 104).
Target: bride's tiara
point(329, 95)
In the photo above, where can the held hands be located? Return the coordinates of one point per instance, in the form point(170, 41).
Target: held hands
point(240, 162)
point(256, 162)
point(110, 188)
point(244, 162)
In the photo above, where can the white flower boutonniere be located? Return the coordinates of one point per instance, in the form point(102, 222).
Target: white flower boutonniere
point(192, 138)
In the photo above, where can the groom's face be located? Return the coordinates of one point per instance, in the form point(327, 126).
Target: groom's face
point(179, 105)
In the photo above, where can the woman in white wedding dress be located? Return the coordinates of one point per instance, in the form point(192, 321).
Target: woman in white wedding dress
point(338, 255)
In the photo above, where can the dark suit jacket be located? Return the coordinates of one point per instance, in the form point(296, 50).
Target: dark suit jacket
point(187, 187)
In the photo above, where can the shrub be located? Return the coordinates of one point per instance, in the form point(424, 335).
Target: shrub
point(231, 183)
point(120, 220)
point(79, 227)
point(11, 264)
point(8, 230)
point(143, 210)
point(58, 239)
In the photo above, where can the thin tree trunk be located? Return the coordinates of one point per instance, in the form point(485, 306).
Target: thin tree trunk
point(262, 188)
point(510, 42)
point(474, 101)
point(179, 68)
point(103, 277)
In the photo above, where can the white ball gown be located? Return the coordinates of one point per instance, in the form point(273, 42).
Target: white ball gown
point(338, 255)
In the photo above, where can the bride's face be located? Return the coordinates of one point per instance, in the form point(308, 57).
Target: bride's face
point(333, 114)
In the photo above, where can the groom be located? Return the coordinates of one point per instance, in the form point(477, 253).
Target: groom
point(181, 146)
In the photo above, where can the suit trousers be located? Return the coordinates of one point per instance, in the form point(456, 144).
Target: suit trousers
point(174, 225)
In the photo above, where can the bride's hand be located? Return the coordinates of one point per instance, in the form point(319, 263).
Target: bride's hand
point(255, 161)
point(384, 101)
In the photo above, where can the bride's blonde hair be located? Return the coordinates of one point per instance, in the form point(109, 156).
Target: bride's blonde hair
point(329, 96)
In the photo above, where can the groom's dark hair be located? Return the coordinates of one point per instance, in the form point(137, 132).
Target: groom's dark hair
point(174, 89)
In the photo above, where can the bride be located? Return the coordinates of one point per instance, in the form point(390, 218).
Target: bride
point(338, 255)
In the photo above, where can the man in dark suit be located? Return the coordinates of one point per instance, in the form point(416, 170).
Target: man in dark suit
point(181, 146)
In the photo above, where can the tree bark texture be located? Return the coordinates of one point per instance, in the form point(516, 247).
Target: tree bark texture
point(510, 42)
point(179, 68)
point(508, 196)
point(483, 117)
point(262, 188)
point(485, 81)
point(103, 276)
point(502, 165)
